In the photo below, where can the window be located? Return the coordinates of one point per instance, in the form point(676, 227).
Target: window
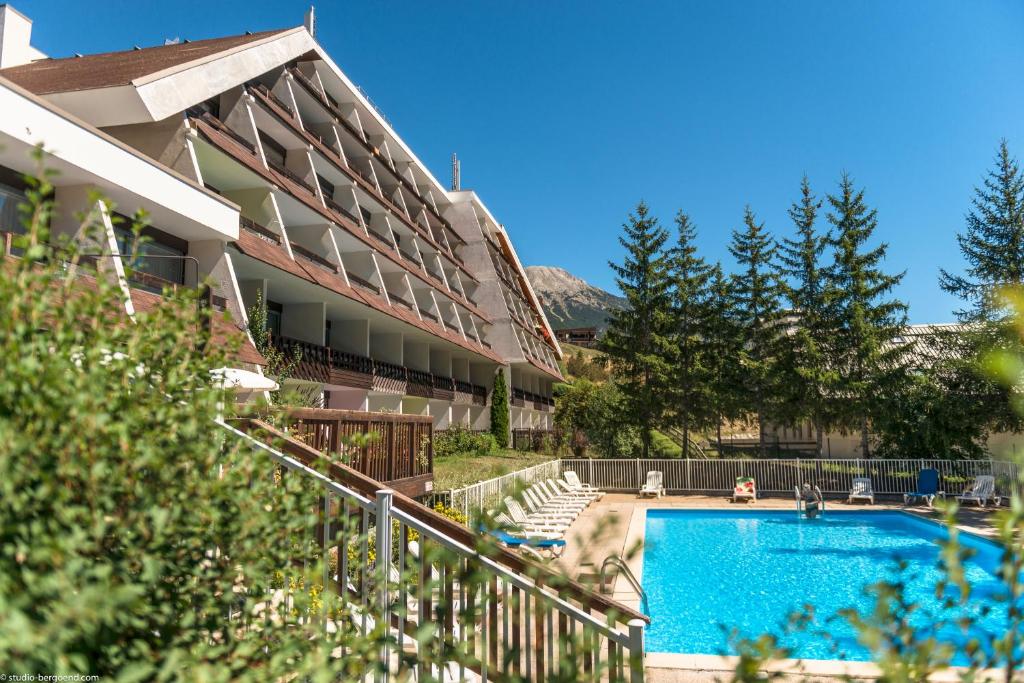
point(326, 186)
point(274, 311)
point(327, 334)
point(365, 213)
point(275, 152)
point(160, 256)
point(11, 195)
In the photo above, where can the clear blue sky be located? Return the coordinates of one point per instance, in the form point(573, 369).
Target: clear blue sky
point(567, 113)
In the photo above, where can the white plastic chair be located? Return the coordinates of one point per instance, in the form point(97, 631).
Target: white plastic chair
point(983, 489)
point(654, 485)
point(861, 489)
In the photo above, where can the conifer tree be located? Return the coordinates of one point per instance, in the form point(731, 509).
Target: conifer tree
point(867, 319)
point(993, 245)
point(690, 276)
point(757, 291)
point(637, 340)
point(993, 248)
point(805, 372)
point(499, 410)
point(723, 344)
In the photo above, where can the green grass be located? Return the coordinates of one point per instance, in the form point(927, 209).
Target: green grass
point(462, 470)
point(664, 447)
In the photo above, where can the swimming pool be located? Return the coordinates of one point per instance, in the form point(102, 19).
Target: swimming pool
point(705, 569)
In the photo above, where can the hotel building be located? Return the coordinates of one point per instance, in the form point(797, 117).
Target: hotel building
point(269, 173)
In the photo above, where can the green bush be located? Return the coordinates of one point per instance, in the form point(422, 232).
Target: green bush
point(131, 526)
point(457, 440)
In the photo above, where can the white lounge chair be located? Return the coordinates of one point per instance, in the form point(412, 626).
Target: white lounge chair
point(556, 495)
point(983, 489)
point(506, 522)
point(573, 480)
point(539, 503)
point(745, 489)
point(861, 489)
point(556, 491)
point(534, 522)
point(654, 485)
point(564, 487)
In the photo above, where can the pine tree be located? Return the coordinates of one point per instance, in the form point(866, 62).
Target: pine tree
point(805, 372)
point(993, 245)
point(691, 278)
point(499, 410)
point(637, 340)
point(723, 344)
point(757, 291)
point(865, 357)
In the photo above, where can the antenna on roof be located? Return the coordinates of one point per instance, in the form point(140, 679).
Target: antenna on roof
point(309, 21)
point(456, 173)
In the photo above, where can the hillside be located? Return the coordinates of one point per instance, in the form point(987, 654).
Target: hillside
point(570, 301)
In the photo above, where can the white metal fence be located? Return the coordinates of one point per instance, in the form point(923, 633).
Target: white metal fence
point(488, 494)
point(888, 477)
point(462, 615)
point(701, 476)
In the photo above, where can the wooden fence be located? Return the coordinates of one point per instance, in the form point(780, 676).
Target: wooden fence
point(400, 452)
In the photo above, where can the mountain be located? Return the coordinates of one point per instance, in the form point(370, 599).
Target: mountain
point(570, 301)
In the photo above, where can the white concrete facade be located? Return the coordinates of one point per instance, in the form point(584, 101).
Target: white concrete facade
point(260, 161)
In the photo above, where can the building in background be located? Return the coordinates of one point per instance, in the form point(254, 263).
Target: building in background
point(266, 169)
point(578, 336)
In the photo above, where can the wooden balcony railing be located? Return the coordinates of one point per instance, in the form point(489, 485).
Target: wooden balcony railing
point(365, 284)
point(291, 175)
point(313, 257)
point(341, 209)
point(382, 238)
point(269, 94)
point(400, 452)
point(398, 299)
point(255, 228)
point(331, 366)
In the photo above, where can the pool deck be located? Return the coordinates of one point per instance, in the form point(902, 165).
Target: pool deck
point(615, 526)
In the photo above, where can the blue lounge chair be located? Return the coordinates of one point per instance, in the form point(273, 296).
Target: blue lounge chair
point(554, 545)
point(927, 488)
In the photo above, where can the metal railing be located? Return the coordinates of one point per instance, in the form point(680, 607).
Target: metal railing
point(488, 495)
point(834, 477)
point(713, 477)
point(623, 569)
point(462, 609)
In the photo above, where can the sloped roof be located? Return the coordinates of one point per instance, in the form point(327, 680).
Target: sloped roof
point(110, 69)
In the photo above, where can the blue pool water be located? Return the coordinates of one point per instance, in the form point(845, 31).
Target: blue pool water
point(712, 568)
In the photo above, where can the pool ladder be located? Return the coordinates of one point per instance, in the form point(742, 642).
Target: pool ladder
point(817, 496)
point(616, 561)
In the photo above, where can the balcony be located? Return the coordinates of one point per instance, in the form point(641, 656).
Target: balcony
point(365, 284)
point(358, 176)
point(401, 456)
point(332, 108)
point(292, 176)
point(258, 230)
point(314, 258)
point(527, 399)
point(330, 366)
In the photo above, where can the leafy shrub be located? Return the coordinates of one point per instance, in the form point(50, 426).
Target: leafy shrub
point(131, 526)
point(457, 440)
point(451, 513)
